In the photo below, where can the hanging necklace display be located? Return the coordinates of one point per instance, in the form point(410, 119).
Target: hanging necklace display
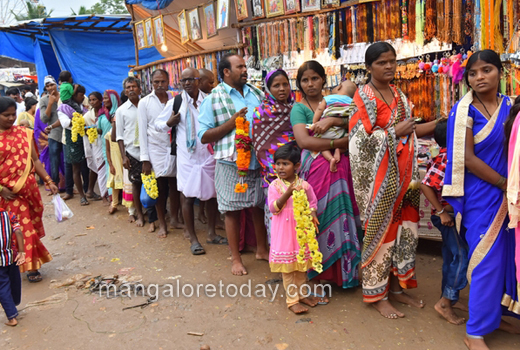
point(404, 19)
point(411, 20)
point(457, 24)
point(431, 25)
point(448, 21)
point(419, 22)
point(353, 10)
point(369, 23)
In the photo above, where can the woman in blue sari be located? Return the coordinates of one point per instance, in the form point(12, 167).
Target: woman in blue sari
point(474, 185)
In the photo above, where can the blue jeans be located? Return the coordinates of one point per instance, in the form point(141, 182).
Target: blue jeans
point(455, 259)
point(55, 156)
point(10, 289)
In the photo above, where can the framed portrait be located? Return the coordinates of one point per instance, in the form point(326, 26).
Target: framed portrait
point(258, 9)
point(292, 6)
point(222, 14)
point(158, 27)
point(139, 34)
point(209, 18)
point(330, 3)
point(149, 32)
point(183, 26)
point(194, 24)
point(241, 9)
point(275, 7)
point(311, 5)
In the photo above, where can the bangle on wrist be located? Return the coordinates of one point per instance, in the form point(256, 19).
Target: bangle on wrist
point(331, 144)
point(344, 121)
point(500, 183)
point(440, 212)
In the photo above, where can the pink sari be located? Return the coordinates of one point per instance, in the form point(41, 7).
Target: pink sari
point(513, 188)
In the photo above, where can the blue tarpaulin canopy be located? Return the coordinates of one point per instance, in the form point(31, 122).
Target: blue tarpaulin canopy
point(150, 4)
point(97, 50)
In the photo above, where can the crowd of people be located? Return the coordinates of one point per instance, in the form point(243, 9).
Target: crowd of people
point(343, 166)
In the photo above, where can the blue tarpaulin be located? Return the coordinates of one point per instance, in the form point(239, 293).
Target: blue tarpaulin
point(150, 4)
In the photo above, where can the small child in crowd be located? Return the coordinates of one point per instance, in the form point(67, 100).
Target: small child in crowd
point(454, 246)
point(284, 244)
point(334, 106)
point(10, 281)
point(67, 90)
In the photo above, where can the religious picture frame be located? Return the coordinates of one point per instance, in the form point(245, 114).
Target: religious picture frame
point(149, 32)
point(241, 9)
point(222, 14)
point(311, 5)
point(292, 6)
point(140, 35)
point(257, 9)
point(158, 26)
point(195, 32)
point(210, 19)
point(274, 8)
point(329, 3)
point(183, 27)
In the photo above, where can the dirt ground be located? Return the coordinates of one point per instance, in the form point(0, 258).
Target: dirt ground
point(76, 319)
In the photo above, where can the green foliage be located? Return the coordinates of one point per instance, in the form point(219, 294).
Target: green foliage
point(109, 7)
point(33, 12)
point(82, 11)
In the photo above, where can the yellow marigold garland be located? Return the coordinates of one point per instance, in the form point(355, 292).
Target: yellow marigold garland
point(150, 185)
point(243, 145)
point(92, 134)
point(305, 230)
point(78, 126)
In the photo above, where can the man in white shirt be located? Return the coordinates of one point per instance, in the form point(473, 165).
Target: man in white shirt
point(195, 163)
point(14, 93)
point(156, 148)
point(126, 136)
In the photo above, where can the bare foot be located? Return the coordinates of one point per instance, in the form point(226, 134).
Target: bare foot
point(67, 197)
point(333, 167)
point(386, 309)
point(162, 232)
point(444, 308)
point(404, 298)
point(337, 155)
point(139, 222)
point(186, 234)
point(237, 268)
point(508, 327)
point(112, 210)
point(12, 322)
point(151, 228)
point(475, 344)
point(131, 218)
point(176, 224)
point(202, 218)
point(298, 309)
point(262, 256)
point(460, 306)
point(310, 301)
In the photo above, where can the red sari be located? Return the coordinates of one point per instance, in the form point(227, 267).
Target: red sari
point(17, 174)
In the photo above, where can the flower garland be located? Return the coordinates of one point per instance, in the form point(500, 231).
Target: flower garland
point(92, 134)
point(305, 230)
point(243, 145)
point(150, 185)
point(78, 126)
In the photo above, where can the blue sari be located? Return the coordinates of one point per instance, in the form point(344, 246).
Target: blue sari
point(482, 208)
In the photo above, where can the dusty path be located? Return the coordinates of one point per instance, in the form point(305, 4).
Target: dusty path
point(79, 320)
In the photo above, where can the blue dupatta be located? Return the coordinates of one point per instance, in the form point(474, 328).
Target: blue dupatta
point(482, 208)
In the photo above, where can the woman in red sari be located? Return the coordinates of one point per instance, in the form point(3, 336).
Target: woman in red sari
point(383, 157)
point(19, 192)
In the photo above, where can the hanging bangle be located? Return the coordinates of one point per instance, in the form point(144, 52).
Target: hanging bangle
point(331, 144)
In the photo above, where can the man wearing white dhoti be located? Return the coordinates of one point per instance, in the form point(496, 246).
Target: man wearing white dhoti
point(195, 164)
point(155, 150)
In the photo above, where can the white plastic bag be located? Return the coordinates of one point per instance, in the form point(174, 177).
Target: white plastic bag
point(61, 211)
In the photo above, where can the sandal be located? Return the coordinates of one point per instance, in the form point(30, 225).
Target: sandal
point(83, 201)
point(94, 196)
point(321, 298)
point(196, 249)
point(34, 277)
point(218, 240)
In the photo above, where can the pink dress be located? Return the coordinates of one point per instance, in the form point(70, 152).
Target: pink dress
point(513, 188)
point(284, 245)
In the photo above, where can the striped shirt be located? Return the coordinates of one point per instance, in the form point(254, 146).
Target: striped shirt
point(8, 224)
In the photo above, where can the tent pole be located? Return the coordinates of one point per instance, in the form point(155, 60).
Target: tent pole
point(134, 35)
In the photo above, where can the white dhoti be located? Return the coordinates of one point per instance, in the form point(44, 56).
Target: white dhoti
point(96, 162)
point(196, 172)
point(163, 163)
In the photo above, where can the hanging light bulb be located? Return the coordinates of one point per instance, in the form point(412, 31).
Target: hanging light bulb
point(164, 48)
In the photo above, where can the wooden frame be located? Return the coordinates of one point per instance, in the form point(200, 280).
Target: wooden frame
point(149, 32)
point(241, 9)
point(210, 19)
point(257, 9)
point(222, 14)
point(140, 35)
point(158, 30)
point(193, 19)
point(275, 8)
point(311, 5)
point(292, 6)
point(329, 3)
point(183, 27)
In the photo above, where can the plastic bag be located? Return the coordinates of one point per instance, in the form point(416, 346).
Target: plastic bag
point(61, 211)
point(146, 200)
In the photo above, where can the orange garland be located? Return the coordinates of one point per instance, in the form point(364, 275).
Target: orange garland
point(243, 145)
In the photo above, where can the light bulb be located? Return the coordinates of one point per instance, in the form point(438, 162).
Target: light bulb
point(164, 48)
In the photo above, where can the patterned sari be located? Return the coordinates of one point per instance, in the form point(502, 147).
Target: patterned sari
point(386, 185)
point(17, 174)
point(483, 210)
point(513, 190)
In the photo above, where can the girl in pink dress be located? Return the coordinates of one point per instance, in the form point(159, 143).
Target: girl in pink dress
point(284, 245)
